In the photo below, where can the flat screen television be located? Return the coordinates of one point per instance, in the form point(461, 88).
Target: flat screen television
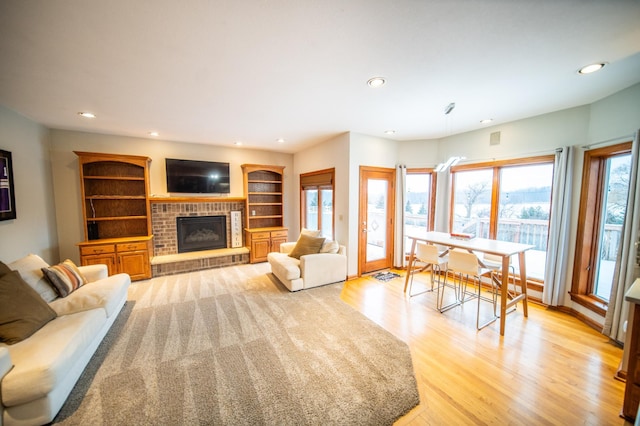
point(197, 177)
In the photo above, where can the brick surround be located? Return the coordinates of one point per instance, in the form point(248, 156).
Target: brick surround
point(165, 243)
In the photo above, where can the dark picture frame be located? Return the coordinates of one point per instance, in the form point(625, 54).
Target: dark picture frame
point(7, 193)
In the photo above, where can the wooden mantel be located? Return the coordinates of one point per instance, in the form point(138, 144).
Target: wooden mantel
point(196, 199)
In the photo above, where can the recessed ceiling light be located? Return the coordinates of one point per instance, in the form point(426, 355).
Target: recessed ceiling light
point(376, 82)
point(237, 143)
point(280, 140)
point(389, 132)
point(588, 69)
point(86, 114)
point(486, 121)
point(154, 134)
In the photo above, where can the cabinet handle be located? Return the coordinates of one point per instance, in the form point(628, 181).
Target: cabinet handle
point(96, 251)
point(131, 247)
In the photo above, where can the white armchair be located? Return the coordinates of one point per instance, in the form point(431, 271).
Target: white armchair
point(312, 270)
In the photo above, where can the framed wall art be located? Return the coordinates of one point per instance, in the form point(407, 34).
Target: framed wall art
point(7, 194)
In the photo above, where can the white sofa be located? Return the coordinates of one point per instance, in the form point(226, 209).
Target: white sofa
point(38, 373)
point(312, 270)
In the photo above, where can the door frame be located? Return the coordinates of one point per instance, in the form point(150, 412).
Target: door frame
point(389, 174)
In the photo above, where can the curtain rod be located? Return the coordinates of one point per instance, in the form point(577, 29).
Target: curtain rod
point(616, 139)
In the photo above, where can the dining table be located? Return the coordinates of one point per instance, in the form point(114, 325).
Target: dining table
point(503, 249)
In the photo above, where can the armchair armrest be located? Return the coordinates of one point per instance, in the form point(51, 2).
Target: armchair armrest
point(94, 272)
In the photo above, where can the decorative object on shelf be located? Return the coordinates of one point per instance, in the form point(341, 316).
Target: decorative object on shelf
point(236, 229)
point(7, 194)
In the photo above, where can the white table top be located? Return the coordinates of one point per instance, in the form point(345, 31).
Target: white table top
point(500, 248)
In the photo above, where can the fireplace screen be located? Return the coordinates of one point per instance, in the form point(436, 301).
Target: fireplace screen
point(201, 233)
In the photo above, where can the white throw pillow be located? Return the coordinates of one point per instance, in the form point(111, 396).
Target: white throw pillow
point(30, 268)
point(330, 246)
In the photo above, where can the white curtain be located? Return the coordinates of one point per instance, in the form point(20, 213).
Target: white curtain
point(398, 244)
point(557, 261)
point(627, 265)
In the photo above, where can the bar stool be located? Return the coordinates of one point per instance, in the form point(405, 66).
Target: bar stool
point(465, 265)
point(428, 255)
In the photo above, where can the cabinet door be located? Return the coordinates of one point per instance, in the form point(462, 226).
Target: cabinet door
point(134, 263)
point(105, 259)
point(276, 241)
point(259, 250)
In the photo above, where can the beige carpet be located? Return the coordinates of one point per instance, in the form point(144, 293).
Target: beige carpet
point(232, 346)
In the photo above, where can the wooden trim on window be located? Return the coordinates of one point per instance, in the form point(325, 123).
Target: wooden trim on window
point(431, 219)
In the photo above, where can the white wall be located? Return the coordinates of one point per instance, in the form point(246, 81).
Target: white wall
point(333, 153)
point(34, 229)
point(66, 179)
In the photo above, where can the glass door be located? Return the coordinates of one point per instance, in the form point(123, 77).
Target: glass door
point(376, 218)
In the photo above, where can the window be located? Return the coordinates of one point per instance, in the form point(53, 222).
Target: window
point(507, 201)
point(419, 208)
point(316, 198)
point(603, 202)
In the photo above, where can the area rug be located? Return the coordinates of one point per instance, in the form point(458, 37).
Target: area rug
point(385, 276)
point(232, 346)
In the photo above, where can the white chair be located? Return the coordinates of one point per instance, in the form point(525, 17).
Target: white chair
point(464, 266)
point(428, 255)
point(494, 262)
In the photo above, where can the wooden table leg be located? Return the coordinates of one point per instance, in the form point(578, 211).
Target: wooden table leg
point(411, 254)
point(504, 293)
point(523, 282)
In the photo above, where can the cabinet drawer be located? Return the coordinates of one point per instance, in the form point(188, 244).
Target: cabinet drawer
point(260, 235)
point(276, 234)
point(132, 246)
point(101, 249)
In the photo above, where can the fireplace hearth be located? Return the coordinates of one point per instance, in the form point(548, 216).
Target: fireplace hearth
point(197, 233)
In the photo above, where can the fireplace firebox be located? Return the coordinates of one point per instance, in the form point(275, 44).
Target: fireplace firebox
point(201, 233)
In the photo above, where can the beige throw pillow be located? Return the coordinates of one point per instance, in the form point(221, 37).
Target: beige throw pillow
point(306, 245)
point(310, 233)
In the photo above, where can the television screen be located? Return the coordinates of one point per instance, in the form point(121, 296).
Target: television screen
point(197, 177)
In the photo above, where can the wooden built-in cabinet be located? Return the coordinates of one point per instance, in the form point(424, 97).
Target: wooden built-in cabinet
point(116, 214)
point(264, 230)
point(130, 255)
point(262, 241)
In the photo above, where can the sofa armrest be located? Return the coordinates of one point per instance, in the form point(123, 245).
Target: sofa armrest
point(5, 366)
point(94, 272)
point(287, 247)
point(322, 268)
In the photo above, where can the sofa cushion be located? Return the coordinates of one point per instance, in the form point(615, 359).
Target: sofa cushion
point(306, 245)
point(22, 310)
point(65, 277)
point(30, 270)
point(42, 362)
point(105, 293)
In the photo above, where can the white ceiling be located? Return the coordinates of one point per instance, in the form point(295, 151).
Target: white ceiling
point(221, 71)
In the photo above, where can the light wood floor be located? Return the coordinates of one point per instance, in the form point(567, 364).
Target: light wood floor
point(549, 368)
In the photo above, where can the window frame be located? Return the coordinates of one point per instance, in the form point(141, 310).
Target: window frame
point(496, 166)
point(431, 208)
point(589, 220)
point(319, 187)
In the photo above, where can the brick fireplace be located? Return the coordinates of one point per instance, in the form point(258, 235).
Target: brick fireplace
point(165, 214)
